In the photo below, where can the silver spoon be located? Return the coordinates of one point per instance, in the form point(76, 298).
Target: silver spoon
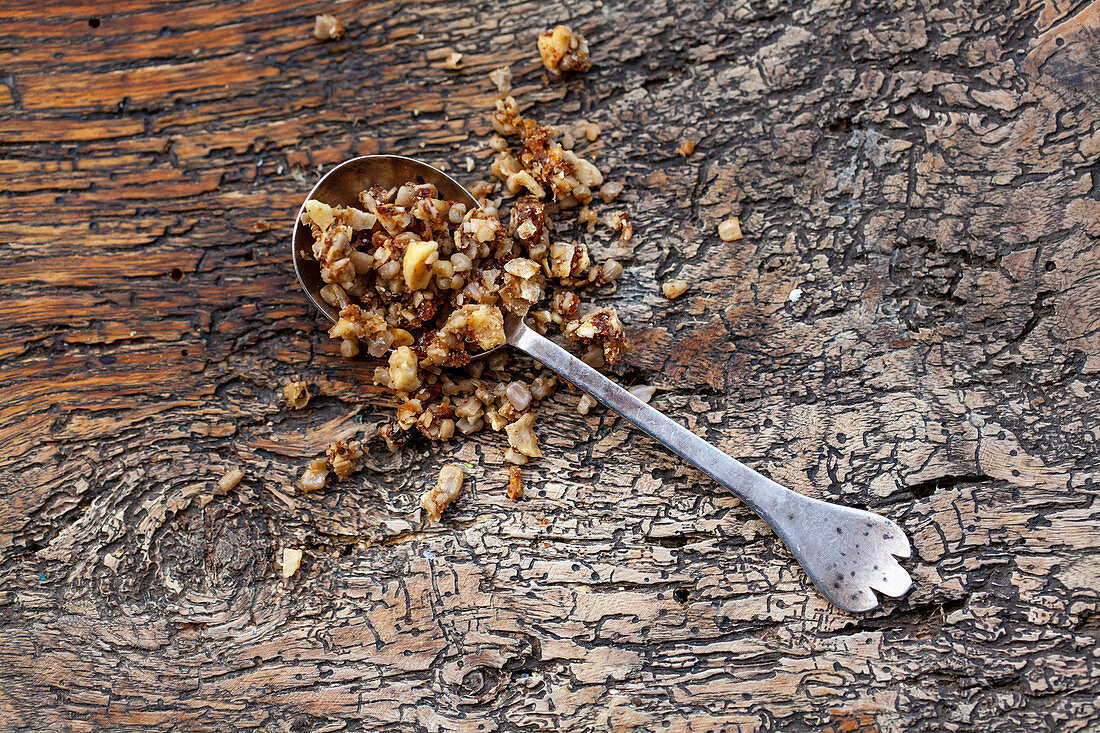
point(848, 553)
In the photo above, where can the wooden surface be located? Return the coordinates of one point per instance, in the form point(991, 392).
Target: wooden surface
point(926, 173)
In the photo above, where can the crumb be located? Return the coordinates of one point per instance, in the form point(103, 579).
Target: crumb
point(643, 392)
point(515, 483)
point(591, 131)
point(470, 165)
point(229, 481)
point(260, 225)
point(327, 28)
point(730, 230)
point(290, 562)
point(795, 295)
point(454, 61)
point(687, 147)
point(674, 288)
point(297, 394)
point(586, 403)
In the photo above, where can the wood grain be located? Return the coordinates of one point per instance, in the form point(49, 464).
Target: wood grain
point(927, 174)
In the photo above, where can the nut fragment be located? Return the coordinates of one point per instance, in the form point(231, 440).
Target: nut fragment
point(643, 392)
point(522, 438)
point(417, 263)
point(454, 61)
point(585, 404)
point(502, 78)
point(314, 477)
point(327, 28)
point(290, 561)
point(687, 147)
point(403, 369)
point(297, 394)
point(515, 483)
point(563, 50)
point(445, 491)
point(229, 481)
point(674, 288)
point(730, 230)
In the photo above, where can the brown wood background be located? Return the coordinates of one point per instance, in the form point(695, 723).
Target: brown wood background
point(926, 171)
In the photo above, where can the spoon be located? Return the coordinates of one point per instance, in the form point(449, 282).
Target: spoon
point(848, 553)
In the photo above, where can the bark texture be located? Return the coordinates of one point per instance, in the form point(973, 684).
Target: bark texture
point(925, 173)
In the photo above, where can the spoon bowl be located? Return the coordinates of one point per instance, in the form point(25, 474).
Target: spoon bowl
point(341, 187)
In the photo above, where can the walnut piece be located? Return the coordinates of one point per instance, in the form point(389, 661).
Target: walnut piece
point(730, 230)
point(563, 50)
point(297, 394)
point(686, 148)
point(289, 561)
point(327, 28)
point(445, 491)
point(229, 481)
point(674, 288)
point(502, 78)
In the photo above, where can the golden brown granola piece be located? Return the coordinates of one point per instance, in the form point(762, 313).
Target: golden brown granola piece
point(515, 483)
point(563, 50)
point(297, 394)
point(600, 326)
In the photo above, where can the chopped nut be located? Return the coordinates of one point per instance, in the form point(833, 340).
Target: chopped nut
point(643, 392)
point(297, 394)
point(674, 288)
point(591, 131)
point(585, 404)
point(315, 476)
point(600, 326)
point(563, 50)
point(522, 438)
point(502, 78)
point(687, 147)
point(417, 264)
point(610, 191)
point(327, 28)
point(403, 369)
point(229, 481)
point(515, 483)
point(454, 61)
point(445, 491)
point(290, 561)
point(343, 458)
point(730, 230)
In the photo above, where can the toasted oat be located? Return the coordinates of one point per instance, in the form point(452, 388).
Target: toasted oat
point(445, 491)
point(454, 61)
point(290, 561)
point(674, 288)
point(730, 230)
point(687, 147)
point(229, 481)
point(502, 78)
point(563, 50)
point(327, 28)
point(297, 394)
point(515, 483)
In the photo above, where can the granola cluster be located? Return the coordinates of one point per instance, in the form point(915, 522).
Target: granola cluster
point(425, 284)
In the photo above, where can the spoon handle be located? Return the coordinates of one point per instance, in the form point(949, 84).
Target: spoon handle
point(812, 529)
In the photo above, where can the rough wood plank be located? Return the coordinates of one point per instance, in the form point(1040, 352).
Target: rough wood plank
point(926, 174)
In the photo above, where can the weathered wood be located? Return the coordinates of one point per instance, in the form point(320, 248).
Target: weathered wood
point(926, 173)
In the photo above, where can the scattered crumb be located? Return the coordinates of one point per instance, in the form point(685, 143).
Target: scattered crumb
point(563, 50)
point(586, 403)
point(795, 295)
point(297, 394)
point(445, 491)
point(610, 191)
point(470, 164)
point(327, 28)
point(229, 481)
point(291, 561)
point(644, 392)
point(591, 131)
point(454, 61)
point(502, 77)
point(587, 216)
point(674, 288)
point(515, 483)
point(730, 230)
point(687, 147)
point(260, 225)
